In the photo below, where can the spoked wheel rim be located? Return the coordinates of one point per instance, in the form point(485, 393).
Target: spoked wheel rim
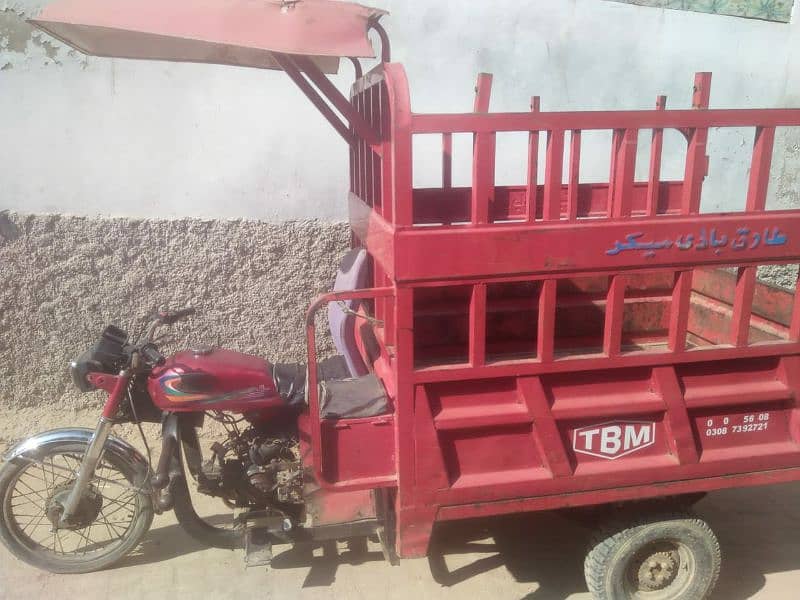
point(661, 570)
point(104, 520)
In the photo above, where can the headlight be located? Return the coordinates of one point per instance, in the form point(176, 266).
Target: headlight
point(81, 367)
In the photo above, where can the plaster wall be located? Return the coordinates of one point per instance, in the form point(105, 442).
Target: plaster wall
point(64, 278)
point(125, 138)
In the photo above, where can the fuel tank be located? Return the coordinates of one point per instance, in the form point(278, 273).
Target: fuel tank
point(214, 379)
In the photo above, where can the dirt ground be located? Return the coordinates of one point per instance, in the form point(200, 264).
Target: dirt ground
point(532, 557)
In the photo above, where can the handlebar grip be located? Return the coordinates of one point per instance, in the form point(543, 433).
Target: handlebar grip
point(152, 355)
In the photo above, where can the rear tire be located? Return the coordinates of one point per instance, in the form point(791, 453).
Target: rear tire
point(666, 556)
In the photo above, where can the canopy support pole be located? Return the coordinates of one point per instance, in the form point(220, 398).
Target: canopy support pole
point(295, 66)
point(362, 128)
point(288, 65)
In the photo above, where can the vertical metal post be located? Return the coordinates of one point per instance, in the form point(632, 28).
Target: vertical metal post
point(447, 161)
point(483, 164)
point(616, 142)
point(759, 169)
point(679, 311)
point(742, 305)
point(696, 159)
point(624, 173)
point(477, 325)
point(551, 210)
point(654, 178)
point(615, 307)
point(547, 318)
point(574, 174)
point(533, 167)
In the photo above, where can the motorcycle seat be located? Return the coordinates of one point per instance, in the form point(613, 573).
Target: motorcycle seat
point(353, 398)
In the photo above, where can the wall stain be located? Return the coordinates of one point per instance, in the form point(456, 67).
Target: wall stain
point(17, 37)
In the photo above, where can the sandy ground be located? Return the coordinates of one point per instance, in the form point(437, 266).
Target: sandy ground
point(531, 557)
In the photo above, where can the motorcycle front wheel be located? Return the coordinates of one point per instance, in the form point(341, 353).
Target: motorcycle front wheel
point(110, 520)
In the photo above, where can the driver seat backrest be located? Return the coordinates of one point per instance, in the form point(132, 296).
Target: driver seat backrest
point(353, 274)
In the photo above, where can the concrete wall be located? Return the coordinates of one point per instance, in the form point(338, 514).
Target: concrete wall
point(148, 142)
point(64, 278)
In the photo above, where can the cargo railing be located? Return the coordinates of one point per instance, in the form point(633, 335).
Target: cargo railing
point(639, 254)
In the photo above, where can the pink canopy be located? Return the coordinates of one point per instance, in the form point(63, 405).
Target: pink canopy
point(231, 32)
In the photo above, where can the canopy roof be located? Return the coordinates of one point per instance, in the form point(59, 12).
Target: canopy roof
point(231, 32)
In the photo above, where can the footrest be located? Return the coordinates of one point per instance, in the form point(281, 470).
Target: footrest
point(257, 547)
point(261, 530)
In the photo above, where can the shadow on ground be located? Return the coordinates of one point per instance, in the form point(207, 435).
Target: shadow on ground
point(164, 543)
point(757, 529)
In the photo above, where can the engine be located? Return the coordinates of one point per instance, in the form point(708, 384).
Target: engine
point(275, 469)
point(255, 468)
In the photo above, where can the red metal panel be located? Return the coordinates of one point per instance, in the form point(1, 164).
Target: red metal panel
point(358, 449)
point(612, 495)
point(375, 233)
point(502, 249)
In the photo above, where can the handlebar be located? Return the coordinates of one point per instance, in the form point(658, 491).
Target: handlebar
point(168, 317)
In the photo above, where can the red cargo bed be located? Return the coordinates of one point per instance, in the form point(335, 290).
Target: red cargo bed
point(566, 343)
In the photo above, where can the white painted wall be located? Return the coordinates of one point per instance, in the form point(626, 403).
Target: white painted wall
point(115, 137)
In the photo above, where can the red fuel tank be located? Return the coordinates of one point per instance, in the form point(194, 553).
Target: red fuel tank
point(214, 379)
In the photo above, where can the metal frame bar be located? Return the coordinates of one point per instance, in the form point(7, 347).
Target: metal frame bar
point(295, 66)
point(312, 390)
point(359, 124)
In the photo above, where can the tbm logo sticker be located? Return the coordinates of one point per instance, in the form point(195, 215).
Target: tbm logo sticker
point(614, 439)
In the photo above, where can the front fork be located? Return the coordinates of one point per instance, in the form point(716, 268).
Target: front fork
point(118, 387)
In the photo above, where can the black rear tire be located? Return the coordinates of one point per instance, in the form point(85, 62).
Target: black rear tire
point(660, 556)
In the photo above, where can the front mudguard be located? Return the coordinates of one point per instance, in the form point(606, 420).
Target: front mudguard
point(121, 449)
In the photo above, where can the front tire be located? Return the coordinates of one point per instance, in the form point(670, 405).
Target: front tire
point(115, 517)
point(655, 557)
